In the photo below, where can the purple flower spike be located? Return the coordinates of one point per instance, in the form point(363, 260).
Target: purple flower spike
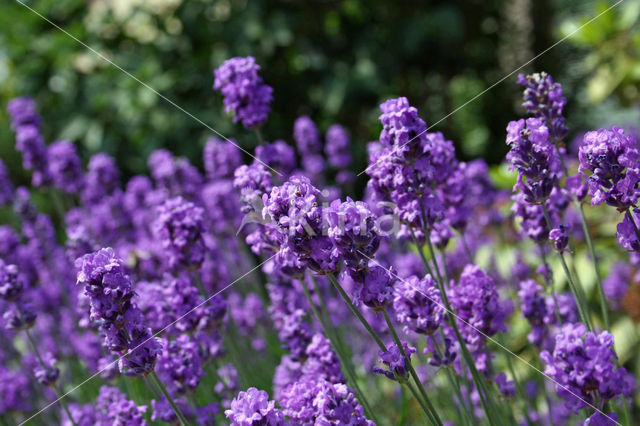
point(245, 94)
point(65, 167)
point(252, 408)
point(613, 159)
point(418, 306)
point(584, 364)
point(220, 158)
point(6, 187)
point(23, 113)
point(543, 99)
point(395, 362)
point(337, 147)
point(10, 284)
point(179, 228)
point(534, 157)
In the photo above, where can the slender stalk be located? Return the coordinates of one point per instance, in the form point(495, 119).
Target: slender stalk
point(412, 371)
point(482, 389)
point(422, 256)
point(259, 135)
point(169, 399)
point(356, 312)
point(549, 283)
point(594, 259)
point(466, 247)
point(330, 333)
point(417, 397)
point(582, 309)
point(520, 390)
point(42, 363)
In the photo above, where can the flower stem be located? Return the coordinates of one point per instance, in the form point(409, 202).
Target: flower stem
point(421, 253)
point(169, 399)
point(53, 385)
point(592, 252)
point(419, 385)
point(356, 312)
point(331, 335)
point(259, 136)
point(582, 308)
point(417, 397)
point(549, 283)
point(483, 392)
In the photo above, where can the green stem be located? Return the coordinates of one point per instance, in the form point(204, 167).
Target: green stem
point(424, 407)
point(594, 259)
point(44, 366)
point(421, 253)
point(356, 312)
point(259, 135)
point(416, 379)
point(169, 399)
point(519, 388)
point(331, 336)
point(582, 309)
point(549, 283)
point(479, 381)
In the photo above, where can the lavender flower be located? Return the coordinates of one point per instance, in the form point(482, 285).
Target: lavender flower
point(179, 229)
point(353, 230)
point(477, 305)
point(6, 187)
point(313, 401)
point(10, 284)
point(337, 147)
point(179, 364)
point(278, 155)
point(626, 232)
point(15, 391)
point(395, 362)
point(113, 408)
point(46, 373)
point(418, 306)
point(31, 145)
point(65, 167)
point(23, 112)
point(376, 291)
point(613, 159)
point(294, 208)
point(253, 408)
point(615, 286)
point(584, 364)
point(102, 178)
point(544, 100)
point(559, 237)
point(534, 157)
point(109, 288)
point(245, 94)
point(220, 158)
point(307, 136)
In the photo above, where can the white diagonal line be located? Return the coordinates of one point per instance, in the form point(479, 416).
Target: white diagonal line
point(499, 81)
point(489, 337)
point(145, 341)
point(104, 58)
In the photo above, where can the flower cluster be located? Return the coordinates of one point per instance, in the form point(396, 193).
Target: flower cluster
point(109, 289)
point(245, 94)
point(611, 160)
point(543, 99)
point(583, 366)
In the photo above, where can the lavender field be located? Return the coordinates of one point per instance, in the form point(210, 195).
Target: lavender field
point(277, 282)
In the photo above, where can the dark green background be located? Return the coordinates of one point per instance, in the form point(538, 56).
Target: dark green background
point(333, 60)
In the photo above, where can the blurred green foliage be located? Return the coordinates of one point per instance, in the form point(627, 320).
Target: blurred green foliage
point(333, 60)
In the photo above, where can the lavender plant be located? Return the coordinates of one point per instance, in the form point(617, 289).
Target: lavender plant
point(271, 293)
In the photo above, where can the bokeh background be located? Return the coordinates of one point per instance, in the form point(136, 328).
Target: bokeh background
point(333, 60)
